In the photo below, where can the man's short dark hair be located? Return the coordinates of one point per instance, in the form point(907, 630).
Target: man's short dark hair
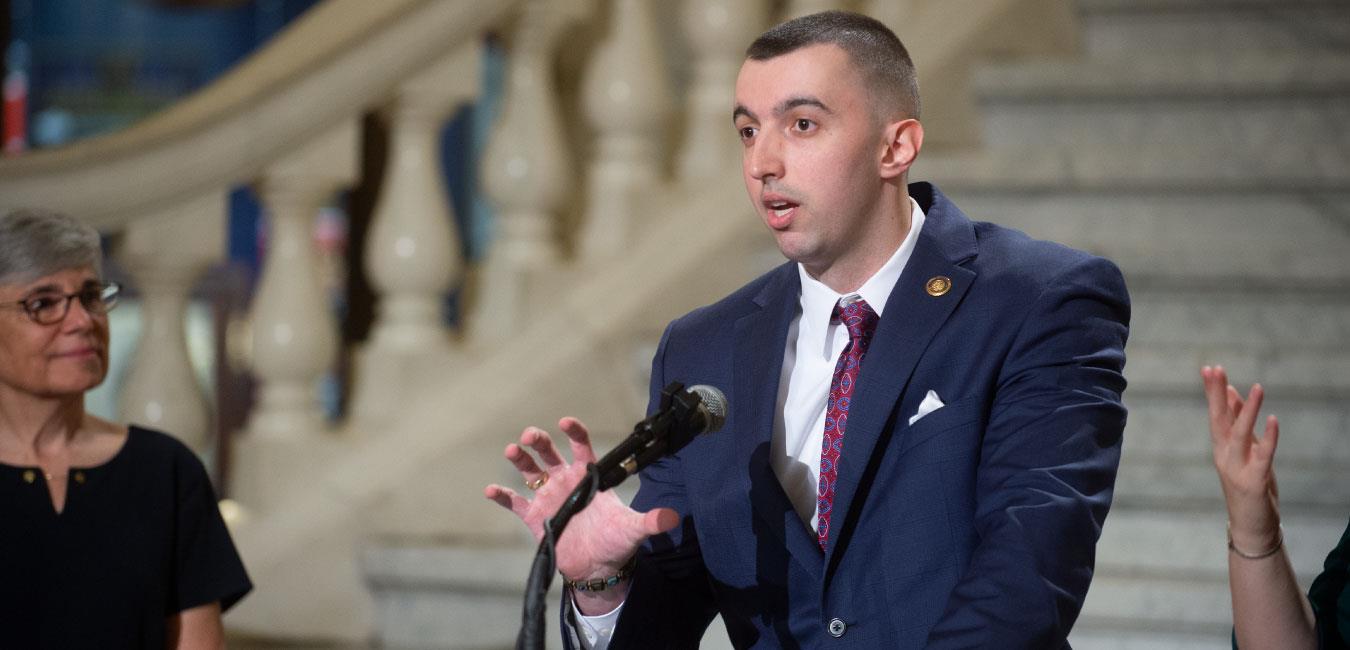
point(879, 55)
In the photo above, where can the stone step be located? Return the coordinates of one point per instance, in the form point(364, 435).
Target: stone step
point(1166, 459)
point(1169, 480)
point(433, 594)
point(1197, 117)
point(1176, 480)
point(1207, 237)
point(1145, 77)
point(1313, 432)
point(1293, 342)
point(1095, 634)
point(1162, 576)
point(1191, 544)
point(1053, 169)
point(1267, 320)
point(1127, 27)
point(1178, 604)
point(1159, 371)
point(1263, 318)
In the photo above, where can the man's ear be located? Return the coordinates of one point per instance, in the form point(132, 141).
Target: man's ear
point(904, 138)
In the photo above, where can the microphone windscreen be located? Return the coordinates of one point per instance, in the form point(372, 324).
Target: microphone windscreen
point(714, 403)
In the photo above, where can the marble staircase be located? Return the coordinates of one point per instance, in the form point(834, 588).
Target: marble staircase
point(1201, 144)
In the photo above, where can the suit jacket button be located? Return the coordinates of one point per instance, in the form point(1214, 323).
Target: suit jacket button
point(837, 628)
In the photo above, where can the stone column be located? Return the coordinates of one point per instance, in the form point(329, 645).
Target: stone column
point(627, 101)
point(293, 329)
point(718, 32)
point(166, 252)
point(413, 256)
point(527, 175)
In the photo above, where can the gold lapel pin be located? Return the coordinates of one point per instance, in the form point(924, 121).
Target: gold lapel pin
point(939, 285)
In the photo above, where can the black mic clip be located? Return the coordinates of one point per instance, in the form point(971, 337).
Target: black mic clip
point(664, 431)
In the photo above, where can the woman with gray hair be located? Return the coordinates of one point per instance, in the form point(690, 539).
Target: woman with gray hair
point(110, 536)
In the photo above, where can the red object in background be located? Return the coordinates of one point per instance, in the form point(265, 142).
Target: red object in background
point(16, 112)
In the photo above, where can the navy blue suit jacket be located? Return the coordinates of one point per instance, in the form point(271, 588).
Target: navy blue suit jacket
point(974, 527)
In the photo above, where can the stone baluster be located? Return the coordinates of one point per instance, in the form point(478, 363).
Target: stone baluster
point(627, 101)
point(293, 329)
point(796, 8)
point(527, 175)
point(413, 255)
point(717, 32)
point(165, 253)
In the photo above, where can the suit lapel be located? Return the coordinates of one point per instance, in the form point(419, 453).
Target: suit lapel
point(911, 319)
point(760, 339)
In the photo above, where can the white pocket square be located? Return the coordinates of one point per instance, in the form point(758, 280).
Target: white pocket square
point(931, 402)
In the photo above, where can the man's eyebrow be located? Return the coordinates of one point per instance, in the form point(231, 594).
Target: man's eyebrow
point(784, 107)
point(794, 102)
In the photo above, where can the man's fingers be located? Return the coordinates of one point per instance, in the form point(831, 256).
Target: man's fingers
point(507, 498)
point(580, 439)
point(542, 444)
point(523, 462)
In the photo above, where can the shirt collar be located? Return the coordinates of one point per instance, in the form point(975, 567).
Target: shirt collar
point(818, 300)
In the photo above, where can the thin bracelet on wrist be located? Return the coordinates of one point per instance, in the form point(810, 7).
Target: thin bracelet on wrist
point(601, 584)
point(1279, 543)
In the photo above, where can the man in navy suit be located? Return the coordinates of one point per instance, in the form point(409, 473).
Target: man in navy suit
point(925, 417)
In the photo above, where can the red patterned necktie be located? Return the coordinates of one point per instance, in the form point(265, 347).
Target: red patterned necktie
point(861, 321)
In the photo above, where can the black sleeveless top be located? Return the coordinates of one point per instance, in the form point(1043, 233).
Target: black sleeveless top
point(140, 538)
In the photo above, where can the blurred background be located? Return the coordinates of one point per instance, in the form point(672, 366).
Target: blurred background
point(368, 242)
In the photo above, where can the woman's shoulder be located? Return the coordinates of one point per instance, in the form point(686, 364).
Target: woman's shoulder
point(156, 447)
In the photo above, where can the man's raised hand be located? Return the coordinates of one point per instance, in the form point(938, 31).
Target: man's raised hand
point(601, 538)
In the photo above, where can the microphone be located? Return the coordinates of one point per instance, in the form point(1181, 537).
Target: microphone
point(684, 414)
point(712, 407)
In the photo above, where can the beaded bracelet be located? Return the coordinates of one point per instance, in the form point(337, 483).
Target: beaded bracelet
point(1279, 543)
point(601, 584)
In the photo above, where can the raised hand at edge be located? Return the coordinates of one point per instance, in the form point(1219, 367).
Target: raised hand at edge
point(1245, 462)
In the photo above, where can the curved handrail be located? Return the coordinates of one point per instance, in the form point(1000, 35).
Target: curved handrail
point(316, 73)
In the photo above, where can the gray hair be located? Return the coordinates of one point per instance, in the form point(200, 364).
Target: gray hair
point(34, 243)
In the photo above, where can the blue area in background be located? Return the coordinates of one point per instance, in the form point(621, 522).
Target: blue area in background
point(99, 65)
point(245, 215)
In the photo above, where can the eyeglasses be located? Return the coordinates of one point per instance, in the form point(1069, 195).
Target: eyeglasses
point(49, 308)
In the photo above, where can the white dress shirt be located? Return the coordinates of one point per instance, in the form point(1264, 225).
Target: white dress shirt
point(813, 346)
